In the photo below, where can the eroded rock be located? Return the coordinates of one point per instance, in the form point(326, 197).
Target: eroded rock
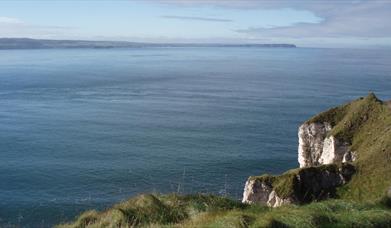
point(276, 201)
point(311, 140)
point(317, 147)
point(256, 191)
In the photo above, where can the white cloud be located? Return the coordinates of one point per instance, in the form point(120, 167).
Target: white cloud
point(348, 18)
point(10, 21)
point(15, 27)
point(359, 20)
point(185, 18)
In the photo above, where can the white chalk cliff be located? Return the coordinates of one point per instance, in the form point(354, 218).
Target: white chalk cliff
point(261, 191)
point(317, 147)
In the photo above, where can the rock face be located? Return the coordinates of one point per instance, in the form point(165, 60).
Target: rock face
point(261, 191)
point(311, 141)
point(323, 168)
point(316, 147)
point(304, 185)
point(276, 201)
point(256, 191)
point(319, 176)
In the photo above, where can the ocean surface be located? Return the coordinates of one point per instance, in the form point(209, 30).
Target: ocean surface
point(86, 128)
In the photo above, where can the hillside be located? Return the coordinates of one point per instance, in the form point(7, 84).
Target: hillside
point(213, 211)
point(345, 186)
point(366, 125)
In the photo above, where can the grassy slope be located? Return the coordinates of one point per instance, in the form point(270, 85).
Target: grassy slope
point(365, 123)
point(213, 211)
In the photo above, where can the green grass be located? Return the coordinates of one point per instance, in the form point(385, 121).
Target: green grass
point(365, 124)
point(212, 211)
point(331, 213)
point(154, 209)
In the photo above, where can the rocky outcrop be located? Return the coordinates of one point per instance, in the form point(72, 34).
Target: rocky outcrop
point(323, 168)
point(297, 186)
point(257, 191)
point(335, 151)
point(261, 191)
point(327, 140)
point(317, 147)
point(311, 141)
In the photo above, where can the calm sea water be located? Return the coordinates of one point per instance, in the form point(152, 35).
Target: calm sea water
point(84, 129)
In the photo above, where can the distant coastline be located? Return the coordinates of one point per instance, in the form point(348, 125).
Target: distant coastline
point(27, 43)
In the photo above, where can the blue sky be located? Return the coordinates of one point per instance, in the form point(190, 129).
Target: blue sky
point(305, 23)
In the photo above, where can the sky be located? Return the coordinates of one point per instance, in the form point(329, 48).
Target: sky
point(307, 23)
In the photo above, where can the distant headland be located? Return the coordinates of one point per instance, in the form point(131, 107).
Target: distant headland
point(27, 43)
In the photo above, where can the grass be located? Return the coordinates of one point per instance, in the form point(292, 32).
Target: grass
point(331, 213)
point(365, 124)
point(154, 209)
point(212, 211)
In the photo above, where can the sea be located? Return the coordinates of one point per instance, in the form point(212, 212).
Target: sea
point(86, 128)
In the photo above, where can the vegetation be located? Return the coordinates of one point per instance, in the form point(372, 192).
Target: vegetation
point(212, 211)
point(155, 209)
point(364, 123)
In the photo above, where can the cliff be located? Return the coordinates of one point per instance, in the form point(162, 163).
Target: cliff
point(344, 152)
point(318, 147)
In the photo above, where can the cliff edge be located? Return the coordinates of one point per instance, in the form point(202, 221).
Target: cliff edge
point(344, 152)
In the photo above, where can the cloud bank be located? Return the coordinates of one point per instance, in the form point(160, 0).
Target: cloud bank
point(15, 27)
point(348, 18)
point(360, 20)
point(196, 18)
point(9, 21)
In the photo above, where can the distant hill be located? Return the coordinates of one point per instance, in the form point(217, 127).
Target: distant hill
point(27, 43)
